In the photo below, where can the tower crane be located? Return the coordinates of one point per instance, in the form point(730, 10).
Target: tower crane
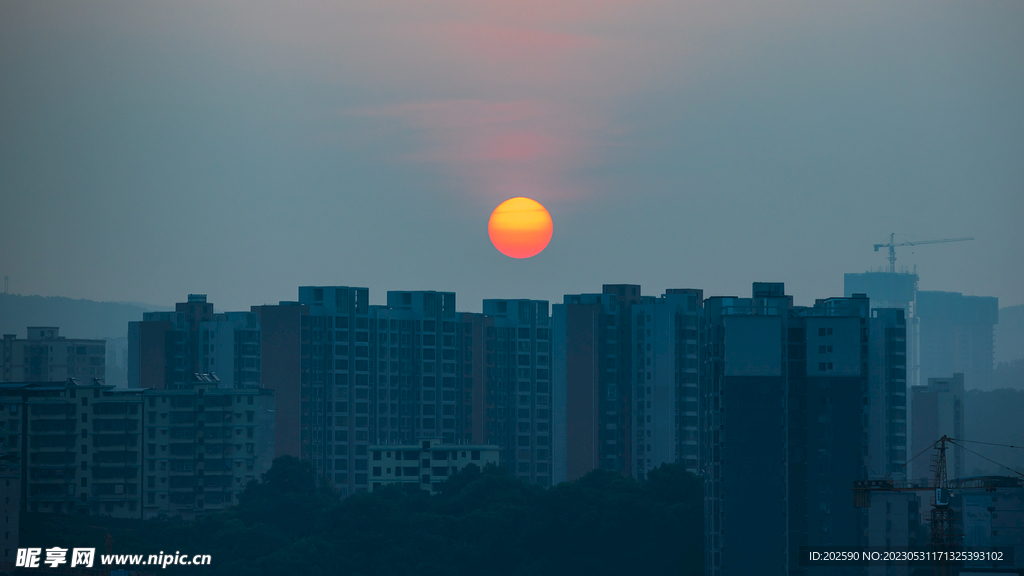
point(892, 244)
point(943, 538)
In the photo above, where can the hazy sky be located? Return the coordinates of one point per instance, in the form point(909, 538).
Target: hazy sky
point(241, 149)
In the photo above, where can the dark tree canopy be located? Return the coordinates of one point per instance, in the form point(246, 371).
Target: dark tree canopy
point(481, 522)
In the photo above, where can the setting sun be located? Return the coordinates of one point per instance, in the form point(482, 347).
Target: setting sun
point(520, 227)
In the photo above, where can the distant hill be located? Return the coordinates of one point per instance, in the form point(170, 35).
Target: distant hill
point(1009, 334)
point(75, 318)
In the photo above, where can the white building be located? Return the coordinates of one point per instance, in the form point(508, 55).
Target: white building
point(426, 464)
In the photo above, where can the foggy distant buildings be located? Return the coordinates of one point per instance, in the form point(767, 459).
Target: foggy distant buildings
point(892, 290)
point(957, 336)
point(947, 332)
point(938, 411)
point(45, 355)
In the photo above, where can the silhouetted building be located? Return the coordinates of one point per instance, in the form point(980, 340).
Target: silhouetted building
point(592, 381)
point(166, 349)
point(203, 444)
point(78, 444)
point(339, 388)
point(957, 335)
point(230, 348)
point(425, 464)
point(892, 290)
point(478, 351)
point(625, 369)
point(521, 386)
point(782, 409)
point(894, 522)
point(938, 410)
point(383, 375)
point(46, 355)
point(10, 503)
point(664, 387)
point(887, 394)
point(285, 358)
point(133, 453)
point(989, 511)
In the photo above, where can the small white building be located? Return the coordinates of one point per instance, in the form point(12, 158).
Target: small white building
point(426, 464)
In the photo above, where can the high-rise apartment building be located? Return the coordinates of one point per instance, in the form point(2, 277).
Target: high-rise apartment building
point(957, 336)
point(285, 360)
point(415, 368)
point(10, 486)
point(383, 374)
point(938, 410)
point(887, 394)
point(10, 510)
point(666, 361)
point(167, 349)
point(86, 447)
point(478, 352)
point(202, 445)
point(592, 355)
point(892, 290)
point(45, 355)
point(625, 381)
point(521, 386)
point(782, 411)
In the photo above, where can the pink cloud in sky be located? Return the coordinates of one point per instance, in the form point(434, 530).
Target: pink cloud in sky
point(495, 147)
point(502, 93)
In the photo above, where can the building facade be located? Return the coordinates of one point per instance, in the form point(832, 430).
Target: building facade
point(893, 290)
point(202, 446)
point(938, 410)
point(887, 394)
point(784, 427)
point(45, 355)
point(593, 355)
point(10, 508)
point(989, 511)
point(133, 453)
point(427, 463)
point(521, 386)
point(666, 360)
point(167, 349)
point(625, 381)
point(957, 336)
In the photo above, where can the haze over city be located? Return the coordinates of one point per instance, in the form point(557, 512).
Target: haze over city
point(242, 149)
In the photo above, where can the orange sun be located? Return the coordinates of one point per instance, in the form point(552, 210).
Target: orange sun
point(520, 227)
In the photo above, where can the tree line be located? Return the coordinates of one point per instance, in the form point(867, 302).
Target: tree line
point(483, 522)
